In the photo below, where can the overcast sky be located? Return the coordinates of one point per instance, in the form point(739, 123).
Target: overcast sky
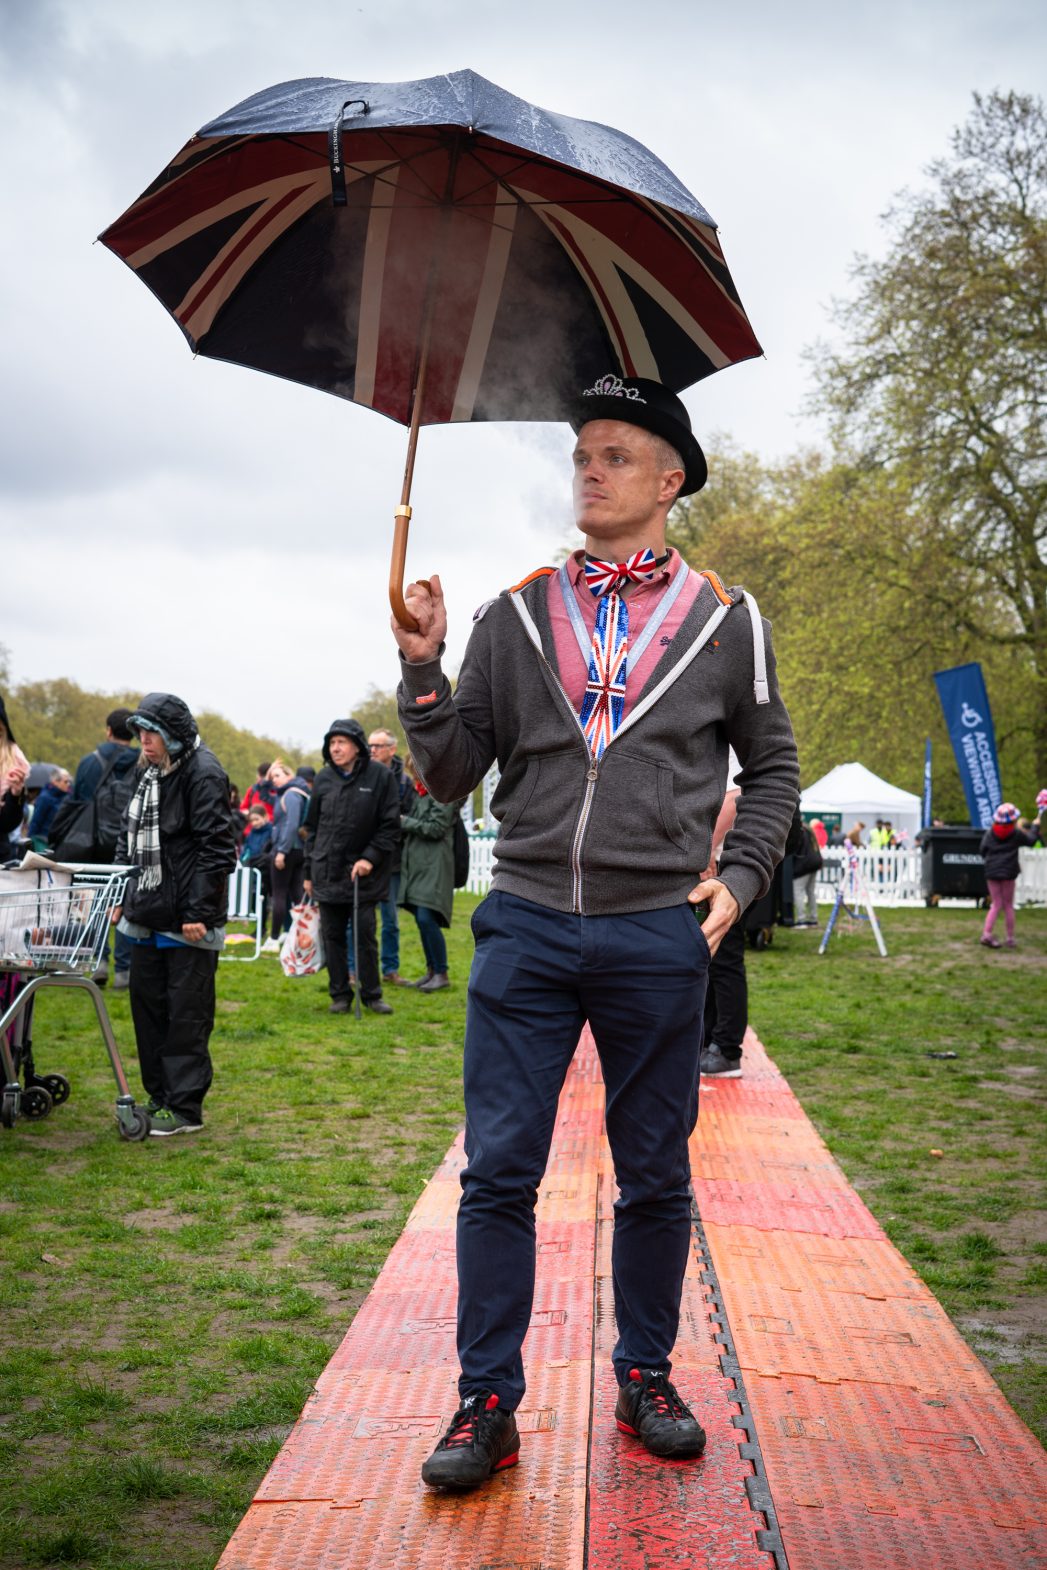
point(187, 525)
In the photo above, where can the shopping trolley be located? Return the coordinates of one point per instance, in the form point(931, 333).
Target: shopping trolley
point(54, 918)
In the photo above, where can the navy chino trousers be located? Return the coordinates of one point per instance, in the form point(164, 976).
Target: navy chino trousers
point(537, 976)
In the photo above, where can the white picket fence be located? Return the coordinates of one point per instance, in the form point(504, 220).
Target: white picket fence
point(893, 876)
point(481, 860)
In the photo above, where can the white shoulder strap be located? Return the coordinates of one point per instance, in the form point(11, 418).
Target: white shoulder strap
point(761, 690)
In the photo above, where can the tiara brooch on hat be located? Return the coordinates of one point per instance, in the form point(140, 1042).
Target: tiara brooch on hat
point(613, 387)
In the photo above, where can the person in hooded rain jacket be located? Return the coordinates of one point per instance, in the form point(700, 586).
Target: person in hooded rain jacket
point(179, 837)
point(352, 830)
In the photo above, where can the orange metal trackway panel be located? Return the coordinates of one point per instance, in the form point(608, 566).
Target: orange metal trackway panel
point(887, 1446)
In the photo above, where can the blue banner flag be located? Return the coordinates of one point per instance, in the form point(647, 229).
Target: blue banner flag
point(926, 818)
point(965, 704)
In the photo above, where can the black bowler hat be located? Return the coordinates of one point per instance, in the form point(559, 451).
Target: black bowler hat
point(651, 406)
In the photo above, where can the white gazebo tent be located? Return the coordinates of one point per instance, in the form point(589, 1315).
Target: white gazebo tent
point(858, 794)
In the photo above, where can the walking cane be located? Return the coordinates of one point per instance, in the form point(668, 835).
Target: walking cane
point(356, 943)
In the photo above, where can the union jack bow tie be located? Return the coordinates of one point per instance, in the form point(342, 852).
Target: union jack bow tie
point(604, 577)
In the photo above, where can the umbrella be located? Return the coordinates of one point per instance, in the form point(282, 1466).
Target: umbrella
point(436, 250)
point(40, 774)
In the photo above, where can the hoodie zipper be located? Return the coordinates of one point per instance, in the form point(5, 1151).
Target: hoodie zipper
point(579, 834)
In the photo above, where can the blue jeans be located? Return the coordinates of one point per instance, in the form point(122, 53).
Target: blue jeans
point(537, 975)
point(434, 945)
point(391, 928)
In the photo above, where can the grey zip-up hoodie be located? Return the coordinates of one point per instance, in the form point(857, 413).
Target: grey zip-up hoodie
point(634, 831)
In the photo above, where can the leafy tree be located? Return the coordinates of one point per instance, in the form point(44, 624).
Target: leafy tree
point(58, 722)
point(942, 380)
point(856, 650)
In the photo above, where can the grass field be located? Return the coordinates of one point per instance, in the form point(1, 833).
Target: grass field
point(166, 1306)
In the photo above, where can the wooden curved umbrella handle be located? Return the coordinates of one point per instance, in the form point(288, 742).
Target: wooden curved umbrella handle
point(397, 569)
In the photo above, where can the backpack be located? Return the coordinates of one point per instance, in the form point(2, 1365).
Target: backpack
point(111, 801)
point(461, 852)
point(87, 831)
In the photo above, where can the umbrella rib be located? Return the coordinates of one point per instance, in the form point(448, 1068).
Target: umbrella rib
point(395, 160)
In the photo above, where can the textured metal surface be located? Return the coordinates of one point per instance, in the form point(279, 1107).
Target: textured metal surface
point(868, 1267)
point(829, 1211)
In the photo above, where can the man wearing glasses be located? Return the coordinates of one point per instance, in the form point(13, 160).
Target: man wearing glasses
point(383, 750)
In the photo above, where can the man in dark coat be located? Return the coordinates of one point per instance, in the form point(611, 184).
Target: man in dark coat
point(352, 830)
point(179, 837)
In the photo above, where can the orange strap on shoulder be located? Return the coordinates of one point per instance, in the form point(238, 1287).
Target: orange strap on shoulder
point(717, 587)
point(539, 572)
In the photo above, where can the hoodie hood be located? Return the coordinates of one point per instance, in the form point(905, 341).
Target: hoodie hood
point(163, 712)
point(351, 728)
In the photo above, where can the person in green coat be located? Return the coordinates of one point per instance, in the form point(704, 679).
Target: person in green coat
point(427, 875)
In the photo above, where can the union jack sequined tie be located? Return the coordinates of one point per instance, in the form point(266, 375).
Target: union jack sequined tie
point(604, 698)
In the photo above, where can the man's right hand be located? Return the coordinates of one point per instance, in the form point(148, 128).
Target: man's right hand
point(426, 605)
point(308, 886)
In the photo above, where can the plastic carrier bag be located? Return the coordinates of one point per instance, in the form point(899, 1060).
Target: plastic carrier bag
point(34, 900)
point(302, 950)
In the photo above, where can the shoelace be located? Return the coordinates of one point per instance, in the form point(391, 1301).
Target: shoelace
point(664, 1397)
point(462, 1430)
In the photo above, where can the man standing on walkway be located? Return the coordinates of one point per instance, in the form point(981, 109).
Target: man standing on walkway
point(383, 750)
point(608, 692)
point(352, 828)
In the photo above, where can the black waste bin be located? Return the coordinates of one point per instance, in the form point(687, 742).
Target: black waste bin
point(952, 867)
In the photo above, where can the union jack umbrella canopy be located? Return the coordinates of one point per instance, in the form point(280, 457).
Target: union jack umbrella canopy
point(436, 250)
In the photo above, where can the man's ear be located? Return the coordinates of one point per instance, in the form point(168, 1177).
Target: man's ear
point(672, 479)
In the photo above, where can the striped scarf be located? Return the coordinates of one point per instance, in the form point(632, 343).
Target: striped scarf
point(143, 821)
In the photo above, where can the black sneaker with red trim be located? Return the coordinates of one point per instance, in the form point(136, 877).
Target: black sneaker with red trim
point(649, 1407)
point(481, 1440)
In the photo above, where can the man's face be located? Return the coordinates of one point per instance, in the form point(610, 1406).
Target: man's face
point(382, 748)
point(153, 749)
point(619, 483)
point(343, 750)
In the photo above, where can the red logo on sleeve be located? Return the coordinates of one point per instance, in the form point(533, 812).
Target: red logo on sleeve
point(430, 697)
